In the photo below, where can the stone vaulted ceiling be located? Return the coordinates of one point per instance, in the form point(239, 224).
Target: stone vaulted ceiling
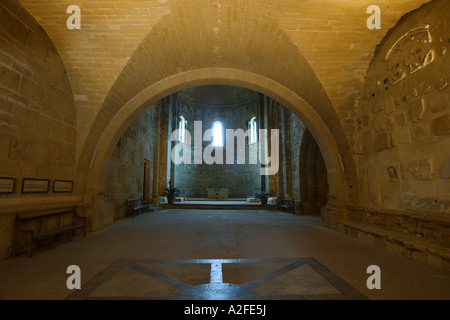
point(262, 36)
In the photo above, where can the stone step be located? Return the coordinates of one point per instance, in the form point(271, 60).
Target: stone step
point(405, 244)
point(208, 206)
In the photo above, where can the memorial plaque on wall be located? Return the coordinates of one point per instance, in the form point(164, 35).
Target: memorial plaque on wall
point(35, 186)
point(63, 186)
point(7, 185)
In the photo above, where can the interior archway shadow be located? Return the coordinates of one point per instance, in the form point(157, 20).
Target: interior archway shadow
point(313, 177)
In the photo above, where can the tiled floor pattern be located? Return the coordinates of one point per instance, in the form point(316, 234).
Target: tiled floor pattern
point(218, 254)
point(217, 279)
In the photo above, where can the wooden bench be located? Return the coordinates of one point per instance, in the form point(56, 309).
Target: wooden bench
point(136, 206)
point(287, 204)
point(33, 229)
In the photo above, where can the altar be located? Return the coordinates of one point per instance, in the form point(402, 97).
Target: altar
point(217, 193)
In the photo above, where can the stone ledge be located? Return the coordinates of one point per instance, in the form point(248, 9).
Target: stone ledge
point(418, 215)
point(406, 245)
point(18, 205)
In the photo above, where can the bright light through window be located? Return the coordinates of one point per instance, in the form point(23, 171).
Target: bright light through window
point(217, 134)
point(252, 127)
point(182, 130)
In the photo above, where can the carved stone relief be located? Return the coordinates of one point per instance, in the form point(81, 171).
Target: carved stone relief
point(418, 132)
point(401, 136)
point(381, 141)
point(410, 53)
point(426, 87)
point(400, 119)
point(393, 173)
point(441, 125)
point(358, 145)
point(437, 103)
point(425, 203)
point(421, 169)
point(379, 122)
point(417, 109)
point(442, 84)
point(445, 172)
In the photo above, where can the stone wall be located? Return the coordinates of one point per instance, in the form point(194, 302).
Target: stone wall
point(403, 141)
point(302, 177)
point(297, 132)
point(38, 124)
point(240, 179)
point(403, 127)
point(37, 115)
point(126, 169)
point(303, 174)
point(313, 177)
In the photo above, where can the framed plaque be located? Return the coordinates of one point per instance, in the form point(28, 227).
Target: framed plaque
point(7, 185)
point(63, 186)
point(35, 186)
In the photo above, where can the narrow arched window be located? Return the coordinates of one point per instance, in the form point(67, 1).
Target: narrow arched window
point(252, 130)
point(217, 134)
point(182, 123)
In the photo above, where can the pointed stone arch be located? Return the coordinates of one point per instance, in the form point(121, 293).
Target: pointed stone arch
point(313, 177)
point(95, 177)
point(172, 58)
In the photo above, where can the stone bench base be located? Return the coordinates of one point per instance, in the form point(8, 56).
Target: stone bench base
point(406, 245)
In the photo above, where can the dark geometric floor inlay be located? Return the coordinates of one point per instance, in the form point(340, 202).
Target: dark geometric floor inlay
point(217, 279)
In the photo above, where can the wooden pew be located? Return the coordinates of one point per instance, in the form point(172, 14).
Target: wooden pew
point(32, 229)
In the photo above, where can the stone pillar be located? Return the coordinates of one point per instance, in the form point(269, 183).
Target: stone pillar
point(163, 146)
point(282, 170)
point(262, 122)
point(287, 146)
point(171, 126)
point(156, 163)
point(99, 211)
point(272, 118)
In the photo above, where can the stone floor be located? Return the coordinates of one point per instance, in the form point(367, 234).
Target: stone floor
point(218, 254)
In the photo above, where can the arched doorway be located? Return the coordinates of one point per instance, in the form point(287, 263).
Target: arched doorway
point(95, 178)
point(313, 177)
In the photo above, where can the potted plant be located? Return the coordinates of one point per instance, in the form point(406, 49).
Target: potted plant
point(171, 193)
point(263, 195)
